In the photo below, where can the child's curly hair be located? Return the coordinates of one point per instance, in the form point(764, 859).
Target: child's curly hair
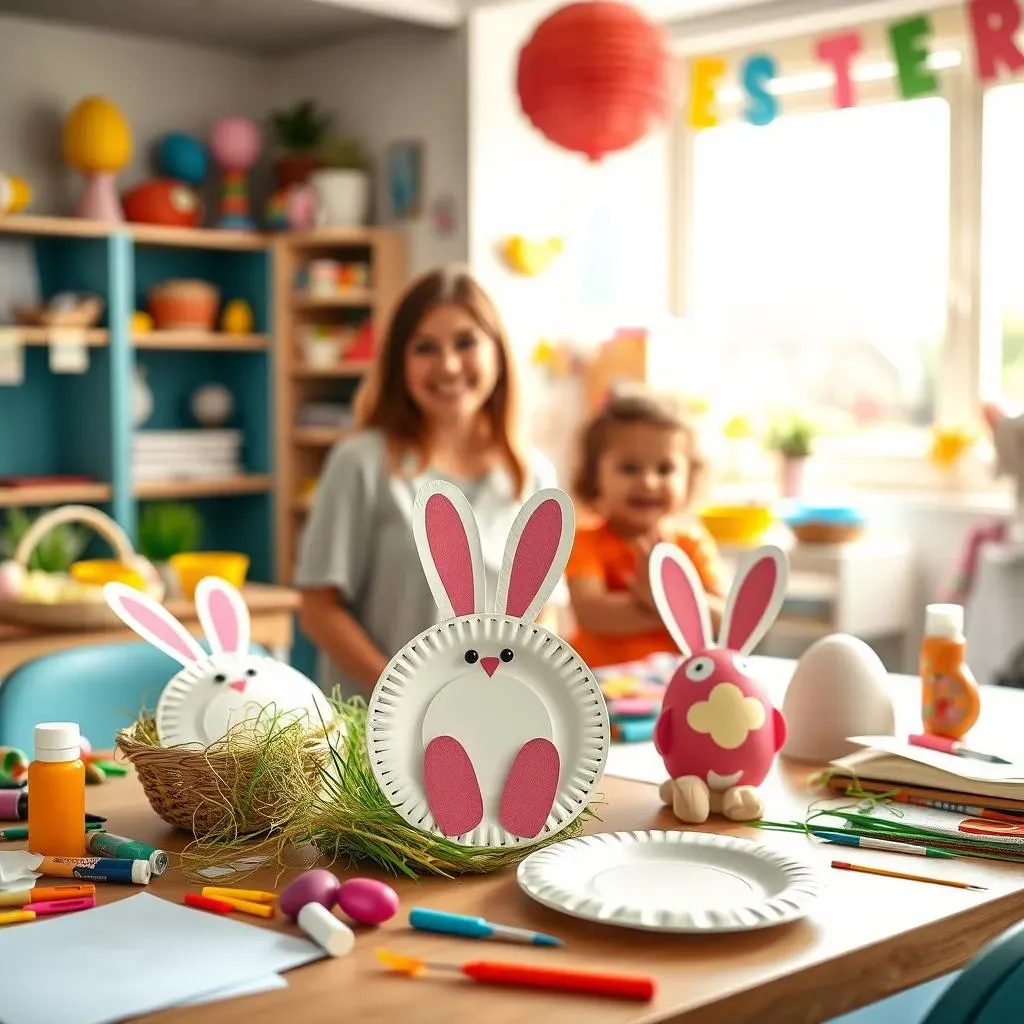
point(626, 408)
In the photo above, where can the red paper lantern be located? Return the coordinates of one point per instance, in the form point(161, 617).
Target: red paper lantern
point(594, 77)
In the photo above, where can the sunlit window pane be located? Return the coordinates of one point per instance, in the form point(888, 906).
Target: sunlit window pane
point(819, 262)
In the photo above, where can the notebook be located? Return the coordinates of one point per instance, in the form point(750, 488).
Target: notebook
point(891, 759)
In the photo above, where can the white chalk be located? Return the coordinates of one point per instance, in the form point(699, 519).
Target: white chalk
point(326, 930)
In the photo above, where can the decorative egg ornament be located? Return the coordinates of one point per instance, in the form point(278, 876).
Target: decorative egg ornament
point(594, 77)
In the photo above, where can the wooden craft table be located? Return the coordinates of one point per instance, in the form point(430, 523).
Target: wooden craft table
point(866, 938)
point(272, 610)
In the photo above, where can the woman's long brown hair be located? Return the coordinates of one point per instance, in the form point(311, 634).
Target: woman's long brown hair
point(384, 402)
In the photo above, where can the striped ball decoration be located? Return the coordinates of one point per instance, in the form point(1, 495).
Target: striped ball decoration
point(594, 77)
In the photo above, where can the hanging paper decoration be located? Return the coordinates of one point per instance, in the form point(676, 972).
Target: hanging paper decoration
point(594, 77)
point(530, 257)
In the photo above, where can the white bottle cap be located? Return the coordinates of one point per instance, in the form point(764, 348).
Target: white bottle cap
point(142, 872)
point(944, 620)
point(58, 741)
point(326, 930)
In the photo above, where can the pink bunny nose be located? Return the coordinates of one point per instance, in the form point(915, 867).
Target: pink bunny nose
point(239, 685)
point(489, 665)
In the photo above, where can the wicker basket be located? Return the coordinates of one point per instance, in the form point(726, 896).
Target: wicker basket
point(84, 313)
point(827, 533)
point(74, 616)
point(194, 789)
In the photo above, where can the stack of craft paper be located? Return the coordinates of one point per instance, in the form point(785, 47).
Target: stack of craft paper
point(634, 693)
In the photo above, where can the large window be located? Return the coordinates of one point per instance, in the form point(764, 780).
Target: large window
point(862, 266)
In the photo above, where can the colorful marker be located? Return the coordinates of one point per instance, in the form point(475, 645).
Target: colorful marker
point(870, 843)
point(219, 892)
point(193, 899)
point(97, 869)
point(14, 807)
point(61, 906)
point(21, 831)
point(475, 928)
point(43, 893)
point(17, 916)
point(106, 844)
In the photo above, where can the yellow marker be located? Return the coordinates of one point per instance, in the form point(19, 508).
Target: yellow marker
point(17, 916)
point(247, 907)
point(253, 895)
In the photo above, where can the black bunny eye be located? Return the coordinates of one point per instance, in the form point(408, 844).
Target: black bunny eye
point(506, 655)
point(250, 671)
point(220, 678)
point(472, 657)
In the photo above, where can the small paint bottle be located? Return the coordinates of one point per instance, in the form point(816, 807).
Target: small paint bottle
point(950, 698)
point(56, 780)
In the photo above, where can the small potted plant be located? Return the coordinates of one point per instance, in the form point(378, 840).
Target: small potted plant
point(299, 133)
point(342, 183)
point(792, 437)
point(167, 529)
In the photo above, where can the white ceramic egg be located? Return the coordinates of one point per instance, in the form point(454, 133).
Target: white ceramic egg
point(839, 688)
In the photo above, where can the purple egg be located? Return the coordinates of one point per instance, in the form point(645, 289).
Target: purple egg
point(316, 886)
point(368, 901)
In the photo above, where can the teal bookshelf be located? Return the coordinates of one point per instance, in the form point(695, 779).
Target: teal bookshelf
point(56, 424)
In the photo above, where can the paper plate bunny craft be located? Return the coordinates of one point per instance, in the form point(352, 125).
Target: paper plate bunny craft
point(487, 728)
point(215, 692)
point(718, 733)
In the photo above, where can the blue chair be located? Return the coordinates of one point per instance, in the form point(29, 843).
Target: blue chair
point(102, 687)
point(989, 990)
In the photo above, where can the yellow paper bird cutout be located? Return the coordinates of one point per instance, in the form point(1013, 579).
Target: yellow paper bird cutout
point(530, 258)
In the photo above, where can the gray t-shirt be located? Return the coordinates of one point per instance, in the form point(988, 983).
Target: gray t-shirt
point(359, 539)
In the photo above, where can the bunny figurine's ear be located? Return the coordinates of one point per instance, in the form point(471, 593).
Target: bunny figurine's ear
point(224, 616)
point(679, 597)
point(755, 599)
point(153, 622)
point(448, 543)
point(535, 554)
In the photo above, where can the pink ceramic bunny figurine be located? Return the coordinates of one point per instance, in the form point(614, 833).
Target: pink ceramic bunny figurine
point(718, 733)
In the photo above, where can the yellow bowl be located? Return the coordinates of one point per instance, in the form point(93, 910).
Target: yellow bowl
point(191, 566)
point(737, 524)
point(98, 571)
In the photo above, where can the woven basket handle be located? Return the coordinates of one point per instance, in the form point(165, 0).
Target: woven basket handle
point(101, 523)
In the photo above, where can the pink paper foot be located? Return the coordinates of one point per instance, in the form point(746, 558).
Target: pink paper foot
point(453, 792)
point(530, 789)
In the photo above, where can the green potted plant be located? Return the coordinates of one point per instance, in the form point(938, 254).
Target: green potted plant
point(166, 529)
point(342, 183)
point(57, 548)
point(299, 133)
point(792, 437)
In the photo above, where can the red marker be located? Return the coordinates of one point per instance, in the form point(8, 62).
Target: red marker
point(193, 899)
point(947, 746)
point(61, 906)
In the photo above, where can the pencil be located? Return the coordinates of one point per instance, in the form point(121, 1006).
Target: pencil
point(842, 865)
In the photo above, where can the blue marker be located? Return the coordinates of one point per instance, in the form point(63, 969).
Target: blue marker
point(868, 843)
point(475, 928)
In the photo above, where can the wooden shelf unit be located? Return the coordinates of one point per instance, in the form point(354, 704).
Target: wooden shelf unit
point(204, 487)
point(54, 494)
point(93, 337)
point(201, 341)
point(300, 451)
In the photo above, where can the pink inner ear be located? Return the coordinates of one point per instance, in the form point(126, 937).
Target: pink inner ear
point(753, 597)
point(449, 549)
point(223, 619)
point(686, 611)
point(158, 626)
point(534, 554)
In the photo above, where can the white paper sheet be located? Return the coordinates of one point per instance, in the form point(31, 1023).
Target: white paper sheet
point(639, 762)
point(246, 988)
point(133, 957)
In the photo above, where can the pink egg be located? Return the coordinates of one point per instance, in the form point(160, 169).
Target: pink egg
point(316, 886)
point(368, 901)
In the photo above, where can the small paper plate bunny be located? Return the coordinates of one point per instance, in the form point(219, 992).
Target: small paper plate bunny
point(215, 692)
point(718, 732)
point(487, 728)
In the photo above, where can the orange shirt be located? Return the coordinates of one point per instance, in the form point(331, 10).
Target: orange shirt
point(600, 552)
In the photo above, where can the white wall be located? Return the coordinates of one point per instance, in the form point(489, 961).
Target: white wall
point(46, 68)
point(399, 85)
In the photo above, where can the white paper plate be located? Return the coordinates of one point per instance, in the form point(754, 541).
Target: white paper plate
point(430, 690)
point(671, 881)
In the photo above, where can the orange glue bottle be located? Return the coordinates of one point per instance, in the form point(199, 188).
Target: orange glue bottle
point(950, 698)
point(56, 782)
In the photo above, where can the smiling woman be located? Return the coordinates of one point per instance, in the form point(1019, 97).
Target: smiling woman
point(440, 403)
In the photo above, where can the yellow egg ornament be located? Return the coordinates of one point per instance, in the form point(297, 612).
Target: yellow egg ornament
point(237, 318)
point(15, 194)
point(98, 143)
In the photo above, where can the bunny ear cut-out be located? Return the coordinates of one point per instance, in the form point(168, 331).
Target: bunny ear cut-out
point(535, 554)
point(224, 616)
point(679, 598)
point(153, 623)
point(448, 542)
point(755, 599)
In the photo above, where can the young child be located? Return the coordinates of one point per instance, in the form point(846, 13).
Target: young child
point(640, 471)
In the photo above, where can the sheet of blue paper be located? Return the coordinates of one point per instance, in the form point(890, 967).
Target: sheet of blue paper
point(133, 957)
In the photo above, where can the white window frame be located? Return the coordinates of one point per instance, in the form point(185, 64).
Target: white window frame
point(964, 355)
